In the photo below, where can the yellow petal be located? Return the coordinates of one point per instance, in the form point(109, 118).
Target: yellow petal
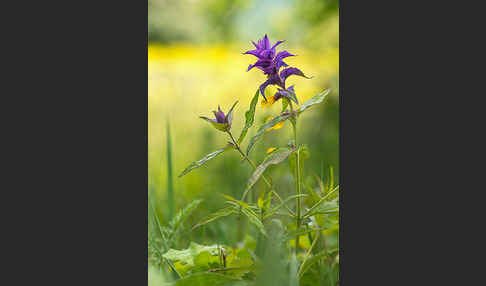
point(276, 126)
point(270, 150)
point(271, 100)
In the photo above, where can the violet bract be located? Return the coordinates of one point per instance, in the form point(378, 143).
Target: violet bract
point(270, 63)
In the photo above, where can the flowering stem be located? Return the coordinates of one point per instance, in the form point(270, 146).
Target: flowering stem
point(237, 146)
point(297, 177)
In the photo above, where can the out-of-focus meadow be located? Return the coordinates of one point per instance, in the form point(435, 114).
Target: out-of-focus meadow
point(195, 63)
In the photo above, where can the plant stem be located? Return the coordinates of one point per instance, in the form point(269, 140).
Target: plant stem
point(237, 146)
point(248, 159)
point(297, 178)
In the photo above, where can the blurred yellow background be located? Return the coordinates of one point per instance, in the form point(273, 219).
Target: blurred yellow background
point(195, 63)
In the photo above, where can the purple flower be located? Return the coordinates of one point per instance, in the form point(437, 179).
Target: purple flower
point(221, 121)
point(270, 63)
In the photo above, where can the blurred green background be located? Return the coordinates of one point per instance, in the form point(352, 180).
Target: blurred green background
point(196, 63)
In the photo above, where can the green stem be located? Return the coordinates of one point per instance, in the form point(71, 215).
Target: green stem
point(297, 179)
point(237, 146)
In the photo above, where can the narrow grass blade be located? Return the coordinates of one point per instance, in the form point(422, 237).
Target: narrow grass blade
point(170, 184)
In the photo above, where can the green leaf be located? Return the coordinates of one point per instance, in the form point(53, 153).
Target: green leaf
point(282, 117)
point(201, 162)
point(221, 213)
point(250, 117)
point(326, 208)
point(314, 100)
point(301, 231)
point(229, 115)
point(275, 209)
point(329, 208)
point(241, 203)
point(208, 279)
point(250, 214)
point(186, 256)
point(310, 261)
point(273, 158)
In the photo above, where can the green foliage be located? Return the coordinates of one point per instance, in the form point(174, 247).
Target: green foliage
point(293, 241)
point(206, 158)
point(264, 128)
point(274, 158)
point(249, 117)
point(313, 101)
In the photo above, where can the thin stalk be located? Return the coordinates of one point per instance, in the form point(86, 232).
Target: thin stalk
point(170, 184)
point(254, 168)
point(297, 179)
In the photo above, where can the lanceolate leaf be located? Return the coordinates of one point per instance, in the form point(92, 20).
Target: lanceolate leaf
point(314, 100)
point(250, 117)
point(282, 117)
point(252, 217)
point(201, 162)
point(275, 209)
point(221, 213)
point(316, 208)
point(273, 158)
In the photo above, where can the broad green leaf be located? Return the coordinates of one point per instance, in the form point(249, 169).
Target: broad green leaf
point(201, 162)
point(274, 158)
point(221, 213)
point(208, 279)
point(186, 256)
point(282, 117)
point(250, 117)
point(314, 100)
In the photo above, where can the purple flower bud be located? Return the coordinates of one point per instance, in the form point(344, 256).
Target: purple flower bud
point(222, 121)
